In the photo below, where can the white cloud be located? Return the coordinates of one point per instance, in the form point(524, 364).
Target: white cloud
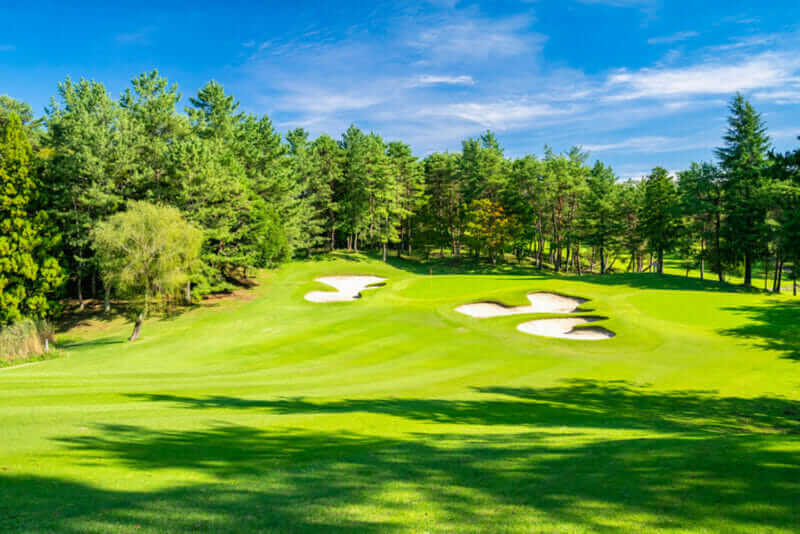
point(499, 115)
point(418, 84)
point(454, 38)
point(674, 38)
point(781, 96)
point(752, 41)
point(765, 70)
point(428, 79)
point(787, 133)
point(622, 3)
point(649, 144)
point(317, 100)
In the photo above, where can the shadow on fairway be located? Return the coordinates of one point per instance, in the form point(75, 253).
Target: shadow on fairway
point(582, 403)
point(653, 281)
point(693, 460)
point(670, 282)
point(775, 326)
point(68, 343)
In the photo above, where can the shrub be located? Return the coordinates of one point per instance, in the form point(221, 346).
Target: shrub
point(26, 339)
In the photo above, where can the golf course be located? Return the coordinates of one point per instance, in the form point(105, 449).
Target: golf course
point(393, 412)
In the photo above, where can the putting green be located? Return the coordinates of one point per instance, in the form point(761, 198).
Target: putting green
point(395, 413)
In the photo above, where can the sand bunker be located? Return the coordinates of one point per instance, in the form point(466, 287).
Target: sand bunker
point(540, 303)
point(347, 288)
point(565, 328)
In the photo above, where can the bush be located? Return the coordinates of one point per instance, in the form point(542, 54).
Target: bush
point(26, 339)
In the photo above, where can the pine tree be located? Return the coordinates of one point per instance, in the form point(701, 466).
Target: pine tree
point(660, 213)
point(411, 189)
point(598, 219)
point(327, 161)
point(743, 160)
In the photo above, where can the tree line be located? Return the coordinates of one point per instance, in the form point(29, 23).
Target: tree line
point(223, 193)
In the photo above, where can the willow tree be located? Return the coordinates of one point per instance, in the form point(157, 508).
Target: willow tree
point(145, 252)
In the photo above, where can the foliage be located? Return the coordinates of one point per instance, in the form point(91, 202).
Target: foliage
point(488, 227)
point(146, 251)
point(29, 273)
point(743, 160)
point(660, 214)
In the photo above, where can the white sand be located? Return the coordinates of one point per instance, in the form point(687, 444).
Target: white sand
point(347, 288)
point(565, 328)
point(540, 303)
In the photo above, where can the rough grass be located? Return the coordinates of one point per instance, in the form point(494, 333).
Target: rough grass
point(26, 341)
point(394, 413)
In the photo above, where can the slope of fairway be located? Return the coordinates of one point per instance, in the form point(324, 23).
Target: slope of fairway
point(395, 413)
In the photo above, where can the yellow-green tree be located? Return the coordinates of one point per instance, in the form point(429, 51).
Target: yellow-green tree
point(146, 251)
point(28, 272)
point(488, 227)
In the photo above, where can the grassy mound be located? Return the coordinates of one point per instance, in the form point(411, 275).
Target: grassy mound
point(398, 414)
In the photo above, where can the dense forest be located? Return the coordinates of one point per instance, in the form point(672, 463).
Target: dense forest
point(103, 196)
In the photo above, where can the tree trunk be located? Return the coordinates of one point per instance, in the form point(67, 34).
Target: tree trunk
point(703, 258)
point(766, 272)
point(780, 277)
point(333, 238)
point(81, 304)
point(384, 251)
point(137, 327)
point(187, 294)
point(106, 297)
point(775, 275)
point(748, 269)
point(660, 261)
point(639, 262)
point(717, 252)
point(602, 260)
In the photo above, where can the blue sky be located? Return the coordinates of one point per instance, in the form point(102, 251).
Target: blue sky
point(639, 83)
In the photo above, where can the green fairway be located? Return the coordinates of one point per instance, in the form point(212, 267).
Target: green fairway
point(394, 413)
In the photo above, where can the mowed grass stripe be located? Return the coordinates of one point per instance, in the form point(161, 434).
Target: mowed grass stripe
point(394, 413)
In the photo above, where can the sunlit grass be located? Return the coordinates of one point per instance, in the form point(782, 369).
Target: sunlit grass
point(396, 414)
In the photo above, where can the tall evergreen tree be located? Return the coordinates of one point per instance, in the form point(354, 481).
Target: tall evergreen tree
point(660, 213)
point(327, 161)
point(598, 219)
point(410, 188)
point(28, 272)
point(785, 206)
point(743, 160)
point(355, 197)
point(85, 172)
point(700, 192)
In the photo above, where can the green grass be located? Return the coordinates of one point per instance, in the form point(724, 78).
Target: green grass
point(396, 414)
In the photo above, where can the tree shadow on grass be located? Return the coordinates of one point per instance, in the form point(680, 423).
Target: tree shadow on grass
point(670, 282)
point(69, 343)
point(583, 403)
point(774, 326)
point(565, 457)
